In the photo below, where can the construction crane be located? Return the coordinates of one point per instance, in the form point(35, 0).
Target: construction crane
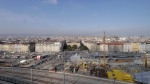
point(104, 51)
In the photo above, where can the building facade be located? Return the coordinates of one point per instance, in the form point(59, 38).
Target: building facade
point(48, 47)
point(92, 46)
point(148, 47)
point(15, 47)
point(104, 47)
point(115, 47)
point(135, 46)
point(142, 47)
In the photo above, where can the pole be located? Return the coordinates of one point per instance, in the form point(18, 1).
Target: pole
point(112, 81)
point(99, 62)
point(145, 61)
point(5, 60)
point(31, 75)
point(5, 68)
point(64, 74)
point(19, 66)
point(104, 53)
point(5, 65)
point(12, 70)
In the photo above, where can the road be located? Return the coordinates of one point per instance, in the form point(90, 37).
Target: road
point(47, 77)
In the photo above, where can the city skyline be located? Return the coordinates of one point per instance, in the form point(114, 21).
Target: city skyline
point(75, 17)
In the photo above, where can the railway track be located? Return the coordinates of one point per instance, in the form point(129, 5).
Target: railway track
point(26, 76)
point(42, 77)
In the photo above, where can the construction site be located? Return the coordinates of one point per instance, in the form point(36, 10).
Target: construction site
point(118, 66)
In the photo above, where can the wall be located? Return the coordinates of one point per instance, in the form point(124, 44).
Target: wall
point(25, 48)
point(142, 47)
point(148, 47)
point(92, 46)
point(48, 47)
point(115, 48)
point(102, 47)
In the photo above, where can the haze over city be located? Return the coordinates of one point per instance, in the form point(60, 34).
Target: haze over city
point(75, 17)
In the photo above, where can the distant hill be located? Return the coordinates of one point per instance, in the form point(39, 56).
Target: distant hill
point(24, 35)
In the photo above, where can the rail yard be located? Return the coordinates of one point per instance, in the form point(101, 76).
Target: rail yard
point(76, 67)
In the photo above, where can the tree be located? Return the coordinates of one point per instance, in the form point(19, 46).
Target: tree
point(74, 47)
point(32, 46)
point(85, 48)
point(69, 48)
point(82, 47)
point(65, 46)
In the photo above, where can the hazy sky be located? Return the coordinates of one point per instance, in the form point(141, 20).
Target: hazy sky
point(75, 17)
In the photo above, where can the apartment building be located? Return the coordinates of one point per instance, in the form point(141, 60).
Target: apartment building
point(15, 47)
point(48, 47)
point(127, 47)
point(115, 46)
point(135, 46)
point(103, 47)
point(92, 46)
point(148, 47)
point(142, 47)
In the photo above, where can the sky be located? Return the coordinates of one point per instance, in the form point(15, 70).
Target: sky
point(75, 17)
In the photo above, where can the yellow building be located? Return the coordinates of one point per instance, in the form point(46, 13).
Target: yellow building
point(4, 47)
point(135, 46)
point(10, 47)
point(24, 47)
point(15, 47)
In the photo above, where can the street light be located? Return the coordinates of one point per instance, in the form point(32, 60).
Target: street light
point(64, 74)
point(12, 70)
point(31, 75)
point(64, 70)
point(5, 60)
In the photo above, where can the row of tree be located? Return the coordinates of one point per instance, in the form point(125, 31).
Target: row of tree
point(75, 47)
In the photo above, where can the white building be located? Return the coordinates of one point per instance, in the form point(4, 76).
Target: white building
point(92, 46)
point(21, 47)
point(102, 46)
point(17, 48)
point(142, 47)
point(122, 39)
point(148, 47)
point(48, 47)
point(127, 47)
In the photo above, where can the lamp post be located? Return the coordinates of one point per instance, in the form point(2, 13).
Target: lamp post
point(64, 74)
point(112, 81)
point(64, 70)
point(12, 70)
point(19, 65)
point(31, 75)
point(5, 60)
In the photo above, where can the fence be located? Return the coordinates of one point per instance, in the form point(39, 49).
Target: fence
point(14, 80)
